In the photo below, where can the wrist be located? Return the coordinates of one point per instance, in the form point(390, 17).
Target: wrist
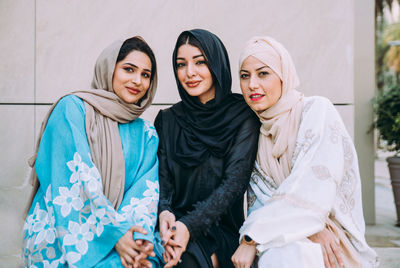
point(247, 240)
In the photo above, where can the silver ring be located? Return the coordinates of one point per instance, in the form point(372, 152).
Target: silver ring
point(180, 261)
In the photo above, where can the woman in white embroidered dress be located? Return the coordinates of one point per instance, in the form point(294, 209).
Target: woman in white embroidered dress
point(304, 197)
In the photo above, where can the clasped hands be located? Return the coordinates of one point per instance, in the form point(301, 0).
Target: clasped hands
point(175, 237)
point(134, 253)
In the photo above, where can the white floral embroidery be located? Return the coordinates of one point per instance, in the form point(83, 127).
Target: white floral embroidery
point(72, 257)
point(53, 264)
point(31, 219)
point(75, 166)
point(68, 199)
point(79, 236)
point(98, 220)
point(321, 172)
point(152, 191)
point(149, 129)
point(138, 211)
point(335, 132)
point(45, 228)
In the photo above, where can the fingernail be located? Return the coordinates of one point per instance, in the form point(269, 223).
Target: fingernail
point(173, 228)
point(162, 242)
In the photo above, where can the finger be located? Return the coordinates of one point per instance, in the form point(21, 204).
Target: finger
point(140, 257)
point(163, 228)
point(337, 251)
point(171, 252)
point(167, 236)
point(165, 257)
point(123, 262)
point(129, 260)
point(145, 263)
point(173, 243)
point(173, 228)
point(326, 260)
point(139, 242)
point(138, 229)
point(331, 256)
point(148, 247)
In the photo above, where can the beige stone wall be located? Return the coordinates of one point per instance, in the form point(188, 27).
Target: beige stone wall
point(48, 48)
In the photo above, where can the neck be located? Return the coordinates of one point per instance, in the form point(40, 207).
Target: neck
point(207, 96)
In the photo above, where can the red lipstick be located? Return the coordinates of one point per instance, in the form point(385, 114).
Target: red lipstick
point(193, 83)
point(256, 97)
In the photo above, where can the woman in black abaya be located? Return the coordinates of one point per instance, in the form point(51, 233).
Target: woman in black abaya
point(208, 144)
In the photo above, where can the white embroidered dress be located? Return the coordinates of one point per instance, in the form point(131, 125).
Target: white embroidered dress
point(324, 181)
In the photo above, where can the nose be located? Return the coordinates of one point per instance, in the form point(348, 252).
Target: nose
point(136, 78)
point(191, 70)
point(253, 83)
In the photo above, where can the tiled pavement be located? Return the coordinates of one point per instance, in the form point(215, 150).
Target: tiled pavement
point(384, 237)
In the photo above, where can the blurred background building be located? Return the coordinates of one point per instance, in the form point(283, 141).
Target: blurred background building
point(49, 48)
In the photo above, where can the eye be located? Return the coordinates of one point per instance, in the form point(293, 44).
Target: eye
point(200, 62)
point(263, 73)
point(244, 76)
point(128, 69)
point(180, 64)
point(146, 75)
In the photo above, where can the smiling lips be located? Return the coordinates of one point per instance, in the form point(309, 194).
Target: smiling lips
point(133, 90)
point(256, 97)
point(193, 83)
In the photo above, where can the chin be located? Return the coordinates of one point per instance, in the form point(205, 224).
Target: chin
point(258, 108)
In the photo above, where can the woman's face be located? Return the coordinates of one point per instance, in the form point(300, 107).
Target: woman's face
point(194, 74)
point(131, 78)
point(261, 86)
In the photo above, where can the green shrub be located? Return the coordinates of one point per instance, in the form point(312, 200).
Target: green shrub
point(387, 121)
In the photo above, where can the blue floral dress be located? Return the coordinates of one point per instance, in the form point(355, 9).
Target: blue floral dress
point(71, 222)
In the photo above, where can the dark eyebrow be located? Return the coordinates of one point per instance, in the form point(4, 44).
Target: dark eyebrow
point(256, 69)
point(201, 55)
point(194, 57)
point(134, 66)
point(262, 67)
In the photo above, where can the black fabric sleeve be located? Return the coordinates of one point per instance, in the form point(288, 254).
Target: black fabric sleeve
point(165, 178)
point(238, 167)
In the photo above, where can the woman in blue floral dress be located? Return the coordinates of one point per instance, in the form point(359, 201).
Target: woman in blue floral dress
point(95, 170)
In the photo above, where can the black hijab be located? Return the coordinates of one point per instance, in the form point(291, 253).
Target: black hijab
point(208, 128)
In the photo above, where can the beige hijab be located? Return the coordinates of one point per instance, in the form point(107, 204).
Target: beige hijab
point(104, 110)
point(280, 123)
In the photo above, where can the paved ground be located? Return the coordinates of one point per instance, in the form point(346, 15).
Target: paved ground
point(384, 236)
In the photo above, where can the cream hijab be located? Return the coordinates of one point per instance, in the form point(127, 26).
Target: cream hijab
point(104, 110)
point(280, 123)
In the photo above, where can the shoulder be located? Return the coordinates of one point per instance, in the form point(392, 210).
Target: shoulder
point(70, 100)
point(318, 107)
point(252, 122)
point(69, 108)
point(164, 115)
point(319, 112)
point(70, 105)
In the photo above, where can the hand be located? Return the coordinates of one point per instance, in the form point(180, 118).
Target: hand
point(178, 242)
point(145, 250)
point(128, 249)
point(167, 225)
point(330, 247)
point(244, 256)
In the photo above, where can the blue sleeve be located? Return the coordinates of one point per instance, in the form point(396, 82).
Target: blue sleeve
point(141, 199)
point(87, 224)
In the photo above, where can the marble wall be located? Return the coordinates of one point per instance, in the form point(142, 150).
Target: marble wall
point(48, 48)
